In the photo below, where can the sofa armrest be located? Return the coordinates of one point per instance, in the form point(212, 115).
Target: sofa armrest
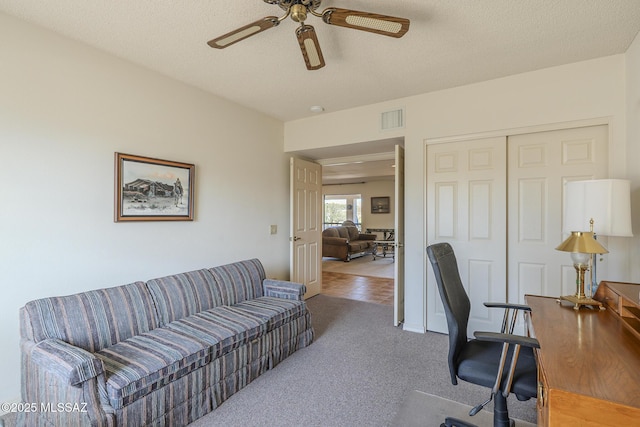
point(55, 372)
point(335, 241)
point(365, 236)
point(72, 364)
point(283, 289)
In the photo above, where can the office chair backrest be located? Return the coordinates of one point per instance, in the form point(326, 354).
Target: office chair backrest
point(454, 299)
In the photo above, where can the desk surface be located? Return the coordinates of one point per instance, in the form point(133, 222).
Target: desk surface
point(586, 352)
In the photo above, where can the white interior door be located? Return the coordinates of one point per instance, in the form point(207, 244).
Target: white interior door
point(539, 166)
point(306, 225)
point(466, 207)
point(398, 273)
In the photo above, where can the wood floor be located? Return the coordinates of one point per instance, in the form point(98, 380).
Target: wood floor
point(363, 288)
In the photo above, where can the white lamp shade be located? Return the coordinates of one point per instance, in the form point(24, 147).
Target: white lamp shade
point(606, 201)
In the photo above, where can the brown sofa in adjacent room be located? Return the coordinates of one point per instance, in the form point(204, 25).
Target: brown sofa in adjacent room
point(343, 242)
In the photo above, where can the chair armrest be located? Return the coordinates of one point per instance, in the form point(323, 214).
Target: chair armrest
point(335, 241)
point(283, 289)
point(507, 338)
point(73, 364)
point(507, 305)
point(509, 322)
point(364, 236)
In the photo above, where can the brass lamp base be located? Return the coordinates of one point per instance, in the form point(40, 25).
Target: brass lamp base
point(580, 301)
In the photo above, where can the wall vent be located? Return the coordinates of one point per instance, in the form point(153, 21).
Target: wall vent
point(392, 119)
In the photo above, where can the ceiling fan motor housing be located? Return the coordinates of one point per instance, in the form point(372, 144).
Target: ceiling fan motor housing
point(286, 4)
point(299, 13)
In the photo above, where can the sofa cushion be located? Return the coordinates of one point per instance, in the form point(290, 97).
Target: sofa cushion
point(330, 232)
point(274, 311)
point(141, 364)
point(359, 245)
point(354, 234)
point(95, 319)
point(239, 281)
point(184, 294)
point(223, 328)
point(343, 232)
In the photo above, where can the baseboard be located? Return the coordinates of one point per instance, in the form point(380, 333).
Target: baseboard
point(414, 328)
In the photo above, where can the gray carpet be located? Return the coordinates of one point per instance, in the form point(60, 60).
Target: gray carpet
point(358, 372)
point(422, 409)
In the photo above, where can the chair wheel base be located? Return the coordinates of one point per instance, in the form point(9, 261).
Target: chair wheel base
point(454, 422)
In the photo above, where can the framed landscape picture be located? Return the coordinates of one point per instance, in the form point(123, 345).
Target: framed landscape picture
point(380, 205)
point(149, 189)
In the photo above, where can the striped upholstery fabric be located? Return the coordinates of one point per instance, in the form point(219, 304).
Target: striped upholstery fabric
point(72, 364)
point(184, 294)
point(239, 281)
point(95, 319)
point(148, 361)
point(178, 404)
point(283, 289)
point(223, 328)
point(42, 383)
point(273, 311)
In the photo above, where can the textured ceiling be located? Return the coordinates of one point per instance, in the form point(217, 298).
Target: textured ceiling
point(450, 43)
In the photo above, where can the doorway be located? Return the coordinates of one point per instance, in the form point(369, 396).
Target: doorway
point(354, 174)
point(365, 276)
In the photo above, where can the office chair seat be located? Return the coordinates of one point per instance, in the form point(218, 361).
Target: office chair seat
point(478, 364)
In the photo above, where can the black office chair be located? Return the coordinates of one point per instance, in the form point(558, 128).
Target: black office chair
point(483, 360)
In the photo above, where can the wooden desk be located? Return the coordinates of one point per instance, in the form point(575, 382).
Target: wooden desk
point(588, 366)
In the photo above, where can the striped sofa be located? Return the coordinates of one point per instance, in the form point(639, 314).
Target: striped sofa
point(164, 352)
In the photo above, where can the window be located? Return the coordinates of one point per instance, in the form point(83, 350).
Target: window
point(340, 208)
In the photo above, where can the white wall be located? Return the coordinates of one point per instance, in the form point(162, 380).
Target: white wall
point(367, 191)
point(65, 108)
point(573, 92)
point(633, 147)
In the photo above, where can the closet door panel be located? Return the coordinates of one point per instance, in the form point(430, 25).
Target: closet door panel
point(539, 166)
point(466, 206)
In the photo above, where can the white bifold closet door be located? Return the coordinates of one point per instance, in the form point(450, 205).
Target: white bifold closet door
point(467, 207)
point(539, 166)
point(498, 201)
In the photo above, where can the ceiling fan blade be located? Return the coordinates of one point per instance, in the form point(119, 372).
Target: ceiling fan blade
point(310, 47)
point(372, 22)
point(244, 32)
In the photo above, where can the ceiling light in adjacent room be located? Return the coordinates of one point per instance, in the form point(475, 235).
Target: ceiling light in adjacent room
point(316, 108)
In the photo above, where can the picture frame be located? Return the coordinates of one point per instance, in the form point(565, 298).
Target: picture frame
point(148, 189)
point(380, 205)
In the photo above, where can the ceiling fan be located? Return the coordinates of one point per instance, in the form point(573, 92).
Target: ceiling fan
point(306, 34)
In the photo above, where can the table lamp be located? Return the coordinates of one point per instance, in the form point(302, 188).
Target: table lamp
point(582, 246)
point(602, 206)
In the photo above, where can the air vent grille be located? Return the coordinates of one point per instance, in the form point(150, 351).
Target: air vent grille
point(392, 119)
